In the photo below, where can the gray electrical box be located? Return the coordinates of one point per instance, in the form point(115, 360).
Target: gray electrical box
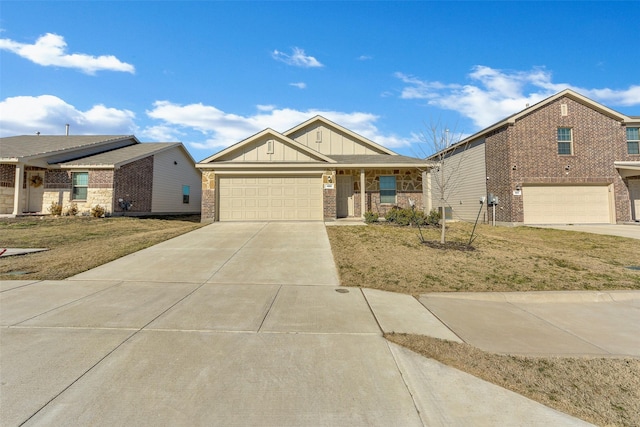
point(492, 200)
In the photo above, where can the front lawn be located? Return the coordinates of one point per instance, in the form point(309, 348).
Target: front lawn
point(78, 244)
point(604, 391)
point(505, 259)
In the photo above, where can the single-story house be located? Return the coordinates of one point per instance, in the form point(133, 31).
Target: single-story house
point(318, 170)
point(564, 160)
point(117, 172)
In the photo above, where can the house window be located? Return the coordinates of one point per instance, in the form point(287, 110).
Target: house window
point(185, 193)
point(80, 185)
point(565, 141)
point(633, 140)
point(387, 189)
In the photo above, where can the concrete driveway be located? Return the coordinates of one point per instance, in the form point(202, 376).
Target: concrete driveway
point(232, 324)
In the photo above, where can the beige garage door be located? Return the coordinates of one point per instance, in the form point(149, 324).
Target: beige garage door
point(273, 198)
point(566, 204)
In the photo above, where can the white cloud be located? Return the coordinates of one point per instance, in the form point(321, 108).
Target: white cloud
point(495, 94)
point(299, 85)
point(50, 50)
point(297, 58)
point(221, 129)
point(365, 58)
point(48, 114)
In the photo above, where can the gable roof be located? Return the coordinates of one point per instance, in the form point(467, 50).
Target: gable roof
point(511, 120)
point(17, 148)
point(329, 123)
point(121, 156)
point(238, 146)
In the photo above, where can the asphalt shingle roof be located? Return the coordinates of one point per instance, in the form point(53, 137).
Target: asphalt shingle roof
point(120, 155)
point(35, 145)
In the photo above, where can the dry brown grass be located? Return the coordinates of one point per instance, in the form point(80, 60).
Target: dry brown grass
point(506, 259)
point(78, 244)
point(601, 391)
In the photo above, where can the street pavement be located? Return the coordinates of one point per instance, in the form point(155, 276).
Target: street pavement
point(234, 324)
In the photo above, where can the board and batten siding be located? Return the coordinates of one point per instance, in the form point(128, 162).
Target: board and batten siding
point(268, 149)
point(328, 141)
point(468, 184)
point(168, 179)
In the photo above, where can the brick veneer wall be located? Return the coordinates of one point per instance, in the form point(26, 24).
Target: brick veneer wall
point(7, 175)
point(7, 182)
point(57, 178)
point(531, 146)
point(499, 180)
point(134, 182)
point(101, 178)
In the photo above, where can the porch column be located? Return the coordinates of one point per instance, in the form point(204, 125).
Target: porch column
point(363, 190)
point(17, 194)
point(426, 190)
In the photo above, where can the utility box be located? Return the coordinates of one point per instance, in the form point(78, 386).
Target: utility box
point(492, 200)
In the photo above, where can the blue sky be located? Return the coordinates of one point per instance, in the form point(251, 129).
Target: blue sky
point(210, 74)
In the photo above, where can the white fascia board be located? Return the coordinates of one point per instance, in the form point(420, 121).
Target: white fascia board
point(89, 166)
point(384, 165)
point(264, 166)
point(290, 172)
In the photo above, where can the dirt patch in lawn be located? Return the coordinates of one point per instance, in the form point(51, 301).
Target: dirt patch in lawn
point(78, 244)
point(598, 390)
point(505, 259)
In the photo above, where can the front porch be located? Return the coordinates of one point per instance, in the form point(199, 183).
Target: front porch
point(384, 188)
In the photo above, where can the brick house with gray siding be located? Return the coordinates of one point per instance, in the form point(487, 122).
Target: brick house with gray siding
point(565, 160)
point(117, 172)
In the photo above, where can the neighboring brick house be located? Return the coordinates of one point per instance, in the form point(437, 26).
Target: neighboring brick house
point(316, 171)
point(565, 160)
point(116, 172)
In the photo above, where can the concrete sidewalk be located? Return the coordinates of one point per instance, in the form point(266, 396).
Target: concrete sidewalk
point(631, 231)
point(576, 323)
point(232, 324)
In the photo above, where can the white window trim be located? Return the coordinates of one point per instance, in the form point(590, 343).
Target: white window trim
point(637, 141)
point(79, 186)
point(395, 194)
point(570, 141)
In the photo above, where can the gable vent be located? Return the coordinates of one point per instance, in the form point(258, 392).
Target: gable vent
point(319, 137)
point(564, 110)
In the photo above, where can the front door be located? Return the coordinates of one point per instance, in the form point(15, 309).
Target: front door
point(344, 202)
point(35, 190)
point(634, 195)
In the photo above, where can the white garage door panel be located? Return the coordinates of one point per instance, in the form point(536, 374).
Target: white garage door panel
point(270, 198)
point(566, 204)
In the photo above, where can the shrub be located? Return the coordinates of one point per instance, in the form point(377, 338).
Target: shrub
point(397, 215)
point(55, 209)
point(71, 210)
point(98, 211)
point(434, 217)
point(371, 217)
